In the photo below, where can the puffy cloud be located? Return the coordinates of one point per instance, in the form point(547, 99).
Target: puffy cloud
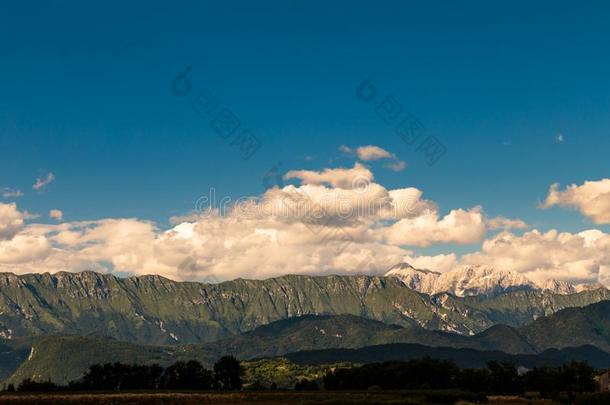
point(371, 152)
point(342, 178)
point(576, 257)
point(11, 220)
point(353, 197)
point(320, 204)
point(212, 248)
point(43, 182)
point(592, 199)
point(56, 214)
point(125, 244)
point(10, 193)
point(24, 248)
point(227, 247)
point(458, 226)
point(325, 225)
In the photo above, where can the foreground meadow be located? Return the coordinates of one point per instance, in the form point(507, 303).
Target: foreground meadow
point(277, 397)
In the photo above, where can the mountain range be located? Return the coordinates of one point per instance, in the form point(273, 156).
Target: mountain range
point(156, 310)
point(476, 280)
point(56, 325)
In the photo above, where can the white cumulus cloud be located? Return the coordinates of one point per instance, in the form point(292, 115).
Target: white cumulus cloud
point(341, 177)
point(370, 153)
point(11, 220)
point(576, 257)
point(592, 199)
point(458, 226)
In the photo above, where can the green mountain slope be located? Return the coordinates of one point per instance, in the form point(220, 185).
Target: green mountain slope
point(62, 358)
point(589, 325)
point(155, 310)
point(305, 332)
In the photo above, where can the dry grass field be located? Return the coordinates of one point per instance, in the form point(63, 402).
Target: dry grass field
point(277, 397)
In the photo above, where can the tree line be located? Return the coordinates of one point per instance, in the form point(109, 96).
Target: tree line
point(498, 378)
point(183, 375)
point(421, 374)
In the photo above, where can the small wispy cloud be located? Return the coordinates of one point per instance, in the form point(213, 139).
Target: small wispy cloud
point(559, 138)
point(345, 149)
point(10, 193)
point(42, 183)
point(396, 166)
point(56, 214)
point(506, 223)
point(370, 153)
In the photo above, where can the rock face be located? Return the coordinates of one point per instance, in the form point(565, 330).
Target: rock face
point(416, 279)
point(473, 281)
point(561, 287)
point(156, 310)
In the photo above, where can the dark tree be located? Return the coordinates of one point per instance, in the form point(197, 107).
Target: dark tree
point(306, 385)
point(119, 376)
point(228, 373)
point(28, 385)
point(139, 377)
point(187, 375)
point(414, 374)
point(474, 380)
point(578, 377)
point(504, 378)
point(546, 380)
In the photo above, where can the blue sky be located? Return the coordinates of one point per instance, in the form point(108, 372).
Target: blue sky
point(87, 95)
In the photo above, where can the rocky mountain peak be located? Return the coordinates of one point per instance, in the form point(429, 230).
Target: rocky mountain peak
point(404, 266)
point(473, 280)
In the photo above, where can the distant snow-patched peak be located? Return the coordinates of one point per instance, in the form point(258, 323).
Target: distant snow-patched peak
point(407, 267)
point(473, 280)
point(482, 280)
point(558, 287)
point(589, 287)
point(416, 279)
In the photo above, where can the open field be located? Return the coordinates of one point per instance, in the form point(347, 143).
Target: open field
point(277, 397)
